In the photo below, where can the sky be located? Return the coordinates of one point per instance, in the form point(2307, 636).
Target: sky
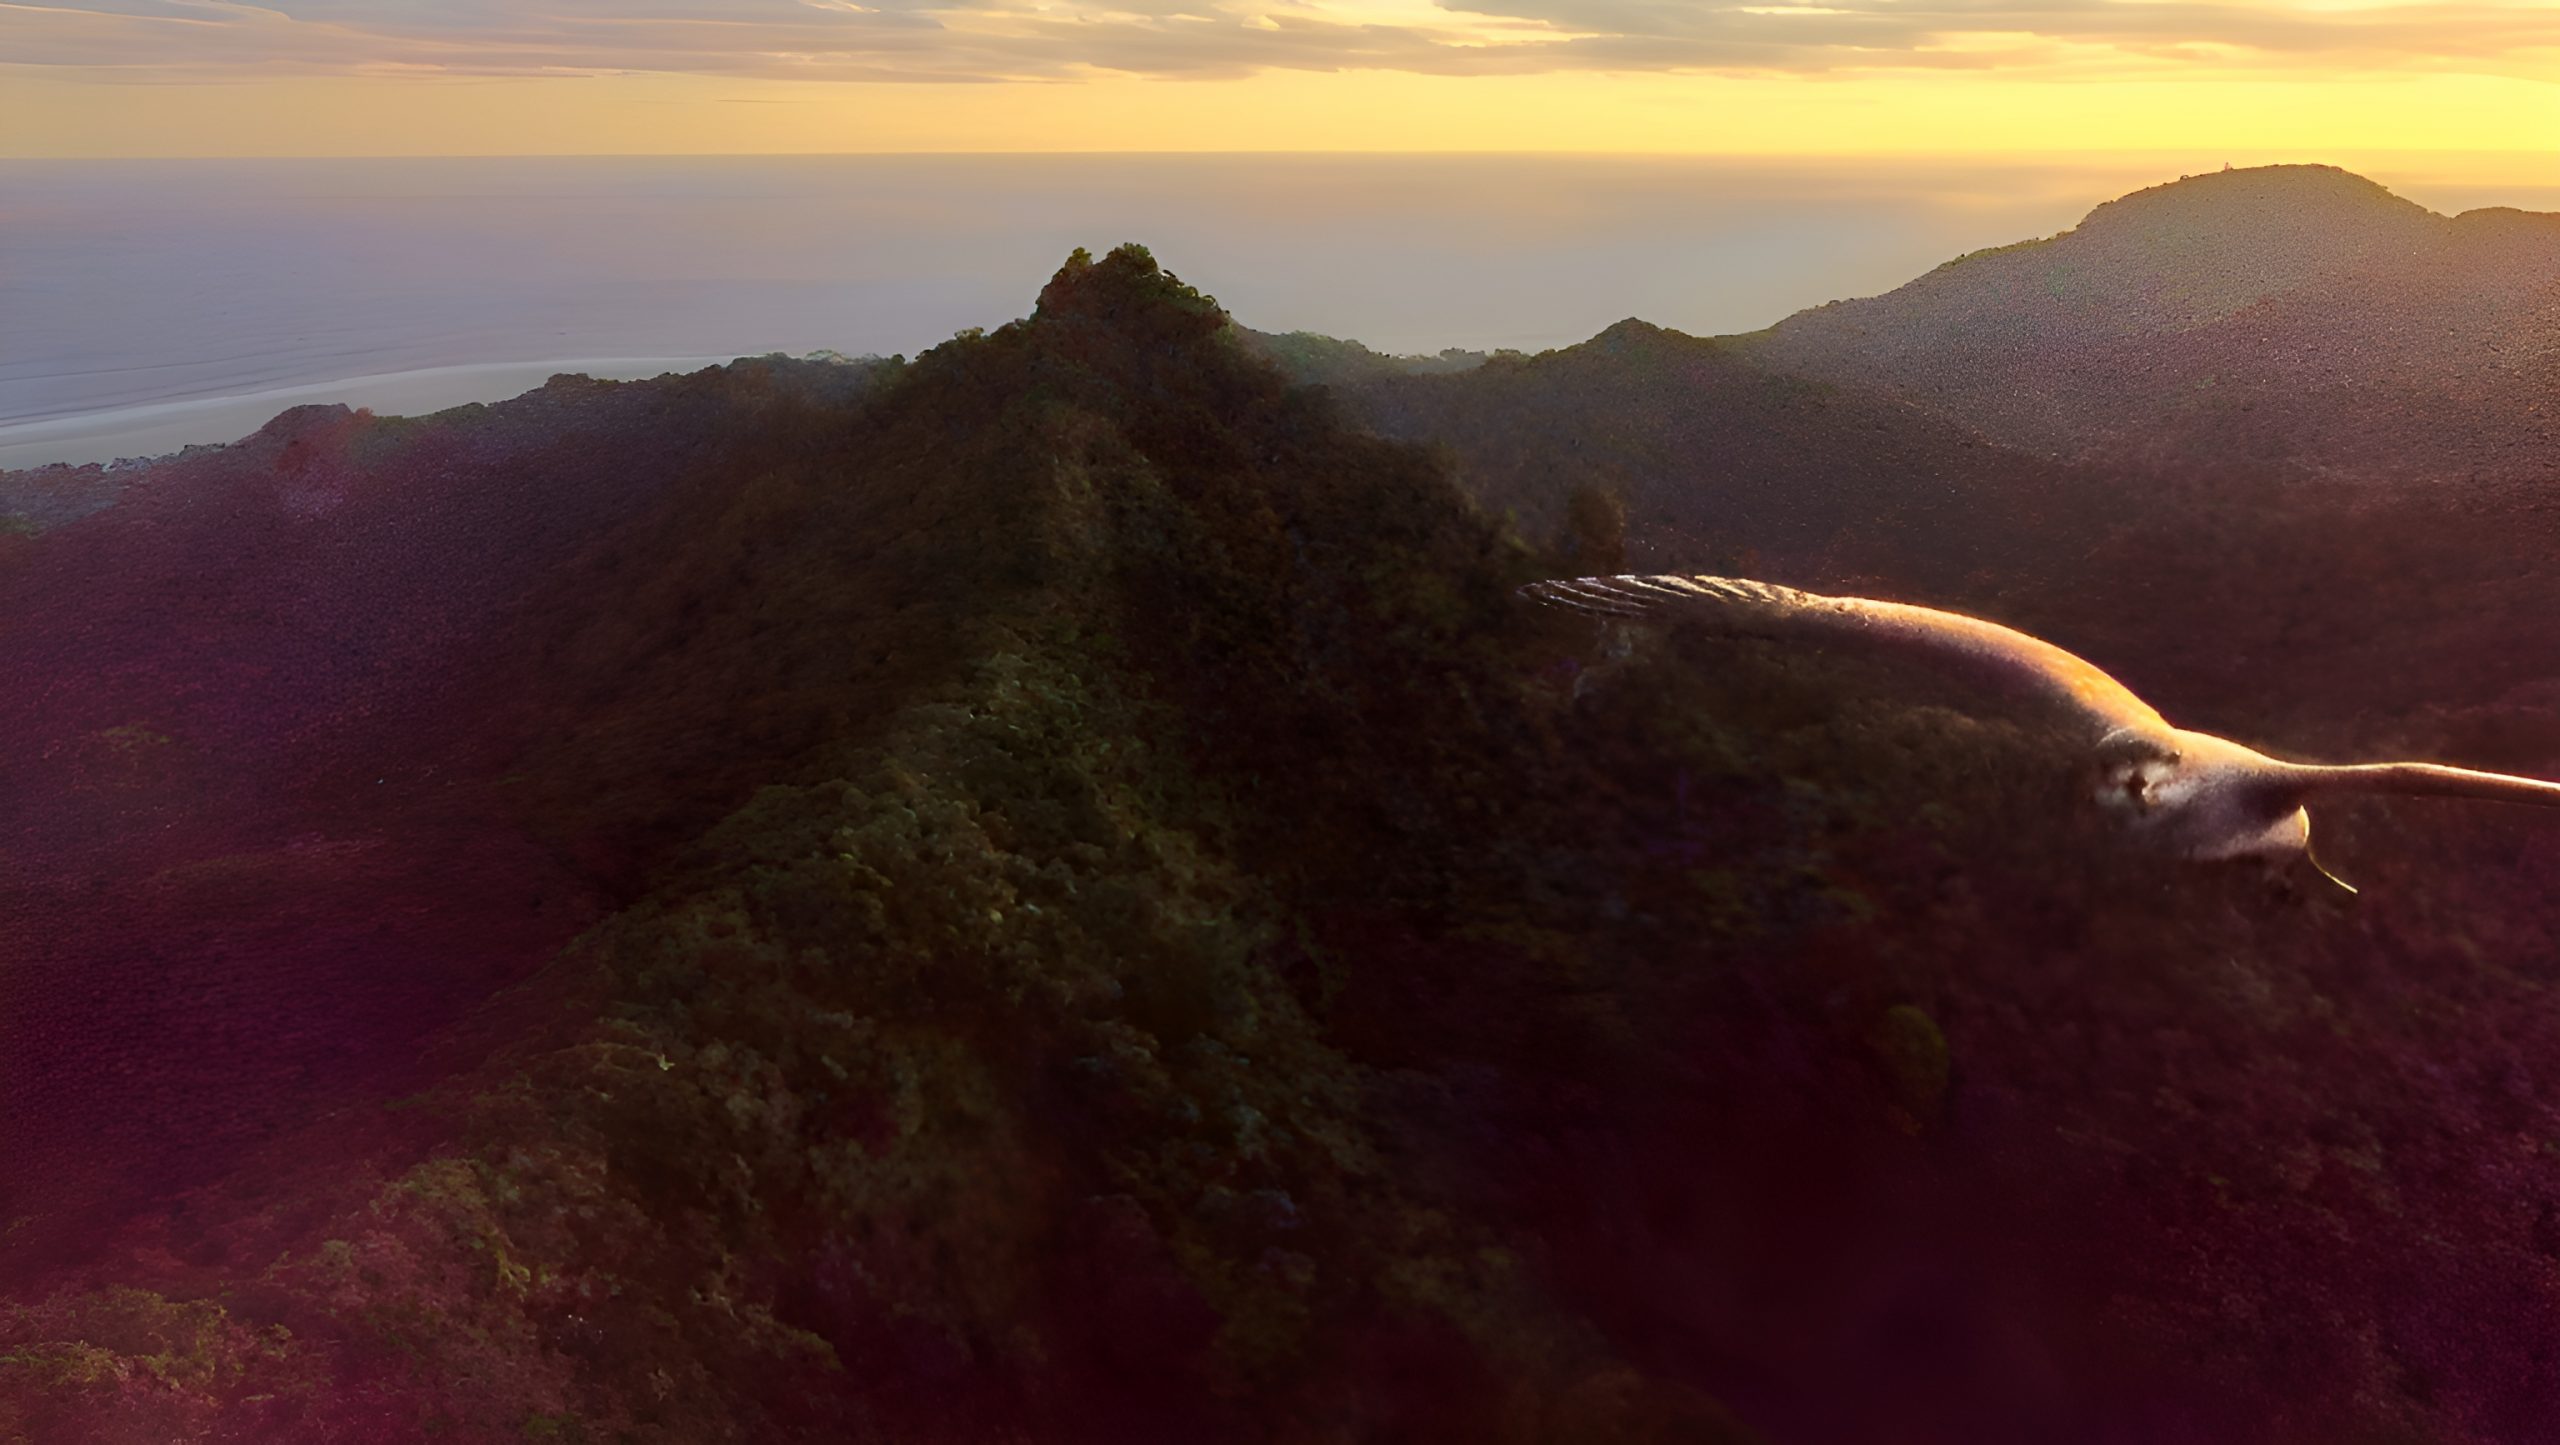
point(2245, 80)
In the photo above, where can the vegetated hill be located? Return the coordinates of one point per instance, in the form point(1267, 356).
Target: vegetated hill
point(42, 497)
point(1719, 462)
point(1040, 1140)
point(1308, 356)
point(270, 804)
point(2283, 317)
point(1184, 954)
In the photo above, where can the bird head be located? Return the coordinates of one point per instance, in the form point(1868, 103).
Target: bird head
point(2199, 796)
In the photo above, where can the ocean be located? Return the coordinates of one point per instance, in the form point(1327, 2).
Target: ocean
point(148, 304)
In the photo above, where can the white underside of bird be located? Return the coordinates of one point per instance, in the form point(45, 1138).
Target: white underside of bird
point(2186, 793)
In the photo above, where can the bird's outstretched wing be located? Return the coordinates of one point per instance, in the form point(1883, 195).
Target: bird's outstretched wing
point(2003, 657)
point(2423, 780)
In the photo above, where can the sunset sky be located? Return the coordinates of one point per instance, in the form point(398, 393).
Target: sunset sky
point(2255, 80)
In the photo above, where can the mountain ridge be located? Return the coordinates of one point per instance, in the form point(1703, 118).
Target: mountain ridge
point(2187, 255)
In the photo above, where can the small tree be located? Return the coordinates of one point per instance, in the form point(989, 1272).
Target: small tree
point(1595, 530)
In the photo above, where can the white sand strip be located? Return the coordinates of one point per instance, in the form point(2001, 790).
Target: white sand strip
point(164, 427)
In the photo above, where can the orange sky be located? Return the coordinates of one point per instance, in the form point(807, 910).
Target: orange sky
point(2244, 81)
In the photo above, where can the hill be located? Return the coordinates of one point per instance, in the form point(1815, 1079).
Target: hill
point(1307, 356)
point(2289, 318)
point(1720, 463)
point(1058, 895)
point(333, 1138)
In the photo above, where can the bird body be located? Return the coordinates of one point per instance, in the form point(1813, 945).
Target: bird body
point(2186, 793)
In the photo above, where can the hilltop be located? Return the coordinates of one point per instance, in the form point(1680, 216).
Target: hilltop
point(2293, 318)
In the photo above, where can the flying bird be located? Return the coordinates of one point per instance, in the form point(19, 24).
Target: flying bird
point(2186, 793)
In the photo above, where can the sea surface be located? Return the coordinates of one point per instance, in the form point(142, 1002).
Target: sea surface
point(148, 304)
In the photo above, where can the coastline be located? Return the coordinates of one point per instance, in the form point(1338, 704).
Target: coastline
point(158, 429)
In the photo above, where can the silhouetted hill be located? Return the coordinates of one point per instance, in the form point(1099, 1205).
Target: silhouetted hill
point(1058, 895)
point(1307, 357)
point(2293, 318)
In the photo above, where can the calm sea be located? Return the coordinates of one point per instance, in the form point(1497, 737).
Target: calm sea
point(167, 291)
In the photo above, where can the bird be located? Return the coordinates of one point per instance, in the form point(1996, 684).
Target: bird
point(2170, 789)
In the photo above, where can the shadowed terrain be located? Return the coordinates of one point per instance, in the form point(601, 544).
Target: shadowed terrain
point(1053, 892)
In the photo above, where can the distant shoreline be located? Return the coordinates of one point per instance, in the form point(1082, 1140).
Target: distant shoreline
point(160, 428)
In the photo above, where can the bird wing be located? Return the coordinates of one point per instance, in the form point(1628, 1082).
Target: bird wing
point(2002, 656)
point(2424, 780)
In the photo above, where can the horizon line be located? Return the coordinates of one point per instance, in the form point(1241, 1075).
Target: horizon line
point(2014, 153)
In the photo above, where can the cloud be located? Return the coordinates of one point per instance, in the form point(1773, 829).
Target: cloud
point(986, 40)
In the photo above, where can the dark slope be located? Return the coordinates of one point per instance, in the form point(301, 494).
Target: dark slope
point(1199, 961)
point(2295, 318)
point(265, 816)
point(1712, 456)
